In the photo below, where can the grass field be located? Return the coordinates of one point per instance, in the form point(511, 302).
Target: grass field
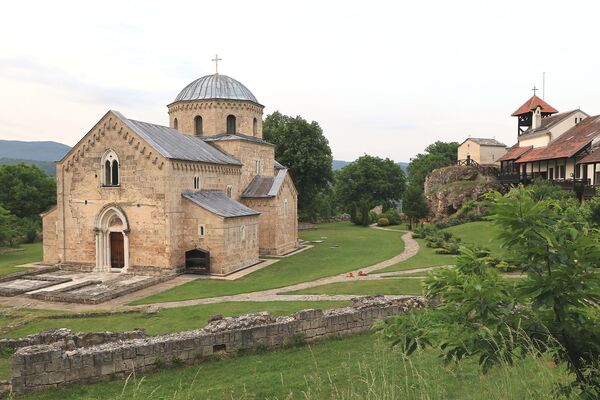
point(396, 286)
point(32, 252)
point(426, 257)
point(165, 321)
point(346, 247)
point(359, 367)
point(483, 234)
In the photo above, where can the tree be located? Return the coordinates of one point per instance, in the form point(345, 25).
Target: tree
point(369, 182)
point(554, 310)
point(26, 190)
point(302, 147)
point(9, 227)
point(414, 205)
point(437, 155)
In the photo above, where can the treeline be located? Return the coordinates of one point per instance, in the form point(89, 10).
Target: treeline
point(25, 192)
point(361, 185)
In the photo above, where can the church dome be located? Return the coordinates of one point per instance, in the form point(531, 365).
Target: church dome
point(215, 86)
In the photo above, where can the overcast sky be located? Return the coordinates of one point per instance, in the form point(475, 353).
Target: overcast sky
point(384, 78)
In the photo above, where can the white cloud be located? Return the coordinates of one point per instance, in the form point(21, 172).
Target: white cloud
point(381, 77)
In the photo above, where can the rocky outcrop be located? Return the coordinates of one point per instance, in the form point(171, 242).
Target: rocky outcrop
point(447, 188)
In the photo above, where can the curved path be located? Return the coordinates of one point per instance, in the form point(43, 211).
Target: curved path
point(411, 247)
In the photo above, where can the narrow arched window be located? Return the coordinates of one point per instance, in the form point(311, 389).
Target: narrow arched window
point(231, 124)
point(255, 127)
point(107, 174)
point(175, 123)
point(111, 174)
point(115, 173)
point(198, 125)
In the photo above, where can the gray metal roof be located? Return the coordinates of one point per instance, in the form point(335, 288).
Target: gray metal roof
point(216, 86)
point(235, 136)
point(218, 203)
point(486, 142)
point(173, 144)
point(265, 186)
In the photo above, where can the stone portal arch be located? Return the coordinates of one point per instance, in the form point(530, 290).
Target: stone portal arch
point(112, 239)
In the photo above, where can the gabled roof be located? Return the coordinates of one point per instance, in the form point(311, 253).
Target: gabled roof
point(173, 144)
point(569, 143)
point(550, 121)
point(515, 152)
point(235, 136)
point(218, 203)
point(485, 142)
point(265, 186)
point(532, 104)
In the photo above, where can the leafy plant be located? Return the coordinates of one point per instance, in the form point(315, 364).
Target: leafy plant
point(554, 310)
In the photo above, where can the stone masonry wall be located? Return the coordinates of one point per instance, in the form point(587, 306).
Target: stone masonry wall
point(41, 367)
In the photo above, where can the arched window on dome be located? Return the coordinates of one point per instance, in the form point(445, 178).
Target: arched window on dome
point(255, 127)
point(198, 125)
point(111, 174)
point(231, 124)
point(175, 123)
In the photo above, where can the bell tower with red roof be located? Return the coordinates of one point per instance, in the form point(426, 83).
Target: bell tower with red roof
point(530, 114)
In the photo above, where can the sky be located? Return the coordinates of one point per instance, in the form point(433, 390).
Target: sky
point(384, 78)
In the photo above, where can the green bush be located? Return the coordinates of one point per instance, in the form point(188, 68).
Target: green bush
point(383, 222)
point(393, 217)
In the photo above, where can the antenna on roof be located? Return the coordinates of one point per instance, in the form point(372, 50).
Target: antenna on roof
point(543, 85)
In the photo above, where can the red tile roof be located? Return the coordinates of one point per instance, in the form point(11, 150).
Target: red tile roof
point(593, 157)
point(515, 152)
point(569, 143)
point(532, 104)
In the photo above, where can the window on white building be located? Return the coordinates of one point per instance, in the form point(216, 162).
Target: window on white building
point(201, 230)
point(196, 182)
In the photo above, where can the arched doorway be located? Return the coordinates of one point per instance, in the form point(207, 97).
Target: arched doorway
point(197, 261)
point(112, 240)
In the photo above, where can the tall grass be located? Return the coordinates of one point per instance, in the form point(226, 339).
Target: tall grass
point(384, 375)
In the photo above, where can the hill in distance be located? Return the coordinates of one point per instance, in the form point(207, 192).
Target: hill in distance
point(42, 154)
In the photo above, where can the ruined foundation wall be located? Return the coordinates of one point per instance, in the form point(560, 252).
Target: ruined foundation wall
point(41, 367)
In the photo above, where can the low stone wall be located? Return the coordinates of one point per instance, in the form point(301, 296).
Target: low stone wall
point(41, 367)
point(67, 339)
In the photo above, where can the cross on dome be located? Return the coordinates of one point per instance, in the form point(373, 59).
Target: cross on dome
point(216, 60)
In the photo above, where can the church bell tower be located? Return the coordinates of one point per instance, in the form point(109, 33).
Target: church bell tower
point(531, 113)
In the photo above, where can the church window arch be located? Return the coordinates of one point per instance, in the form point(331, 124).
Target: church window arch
point(255, 127)
point(197, 182)
point(243, 232)
point(175, 123)
point(285, 207)
point(111, 174)
point(231, 124)
point(198, 125)
point(229, 190)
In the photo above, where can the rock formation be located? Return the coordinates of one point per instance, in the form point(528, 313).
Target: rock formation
point(447, 188)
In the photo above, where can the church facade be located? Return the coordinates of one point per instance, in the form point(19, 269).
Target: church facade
point(204, 194)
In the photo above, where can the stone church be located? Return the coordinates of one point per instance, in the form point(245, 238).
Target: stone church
point(204, 194)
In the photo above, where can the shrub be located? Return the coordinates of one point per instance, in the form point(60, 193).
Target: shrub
point(383, 222)
point(393, 217)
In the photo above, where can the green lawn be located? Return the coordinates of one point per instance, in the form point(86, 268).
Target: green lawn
point(167, 320)
point(359, 367)
point(32, 252)
point(362, 288)
point(483, 234)
point(426, 257)
point(347, 247)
